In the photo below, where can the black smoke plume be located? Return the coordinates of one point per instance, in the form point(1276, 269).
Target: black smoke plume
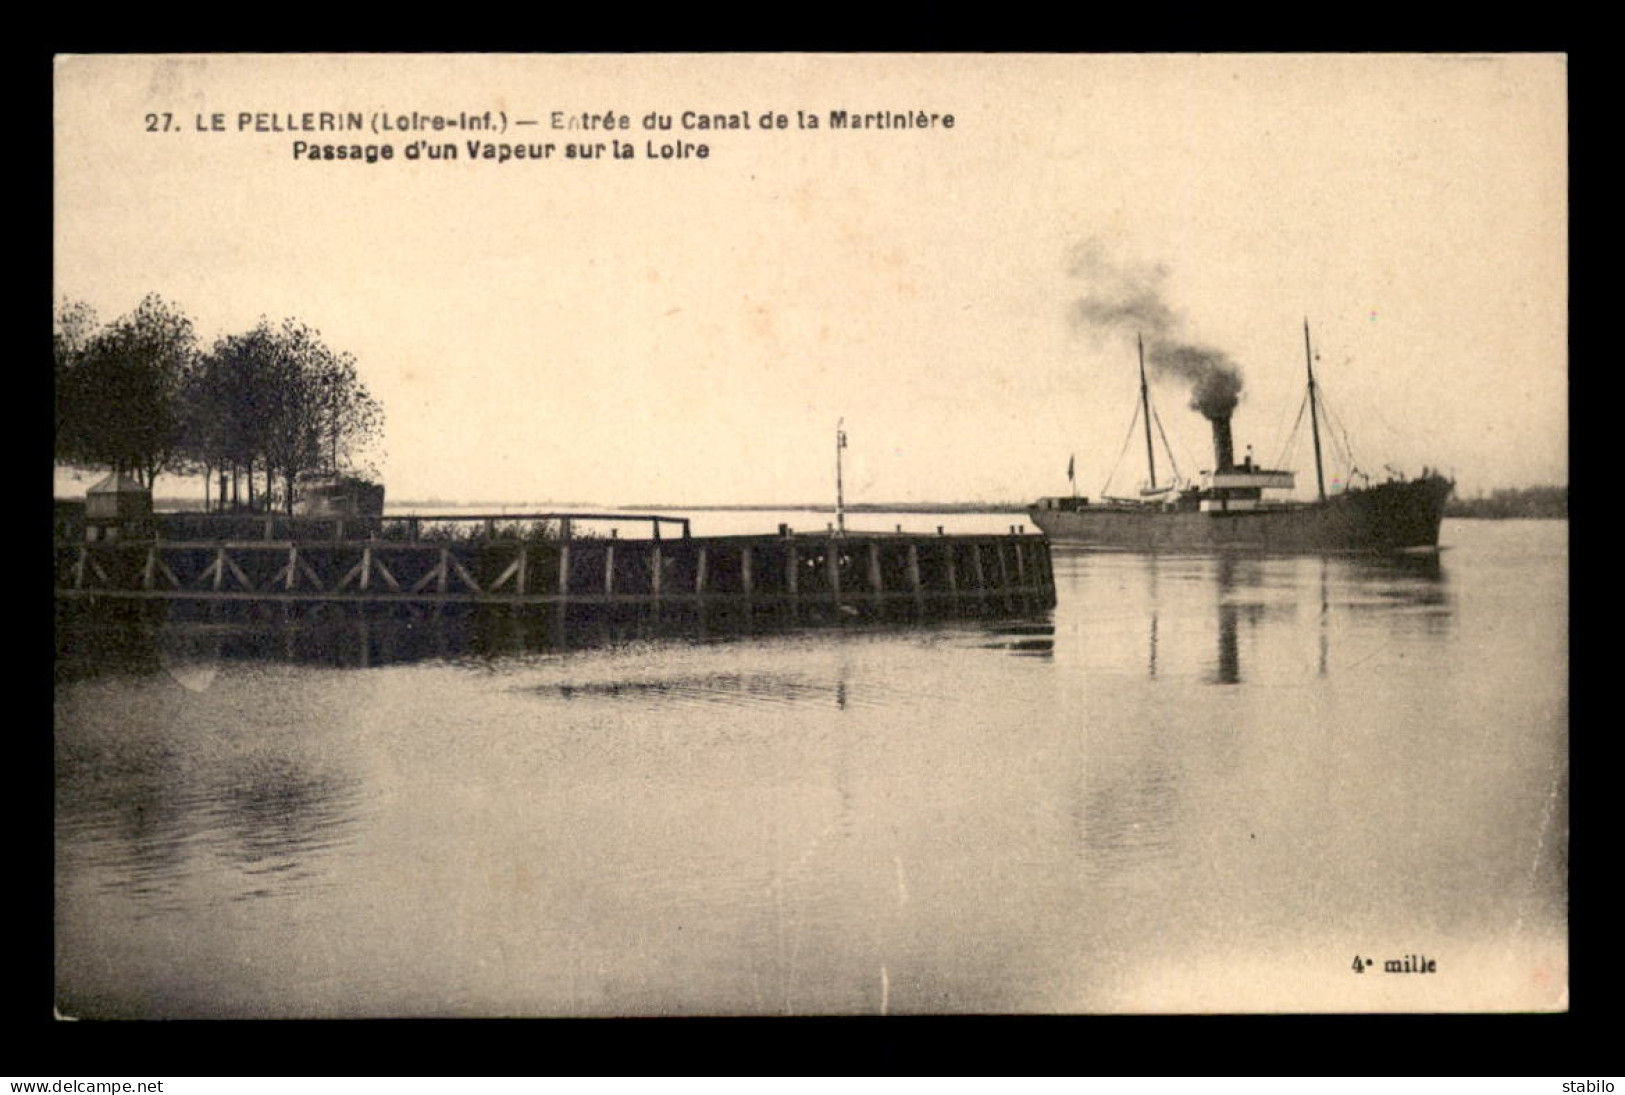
point(1120, 299)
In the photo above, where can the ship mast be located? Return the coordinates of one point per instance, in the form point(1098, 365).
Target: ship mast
point(1314, 416)
point(1145, 407)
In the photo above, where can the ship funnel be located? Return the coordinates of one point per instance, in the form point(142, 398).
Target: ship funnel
point(1224, 449)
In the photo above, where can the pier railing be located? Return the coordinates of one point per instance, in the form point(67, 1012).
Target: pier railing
point(410, 528)
point(857, 574)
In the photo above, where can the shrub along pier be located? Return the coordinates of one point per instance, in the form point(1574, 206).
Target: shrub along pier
point(521, 560)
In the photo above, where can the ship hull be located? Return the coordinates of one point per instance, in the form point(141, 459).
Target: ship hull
point(1388, 517)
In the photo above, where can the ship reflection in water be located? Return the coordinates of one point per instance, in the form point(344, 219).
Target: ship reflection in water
point(1232, 595)
point(1223, 739)
point(1102, 808)
point(1244, 590)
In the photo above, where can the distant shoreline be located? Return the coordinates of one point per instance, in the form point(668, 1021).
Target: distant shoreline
point(857, 507)
point(182, 505)
point(1538, 504)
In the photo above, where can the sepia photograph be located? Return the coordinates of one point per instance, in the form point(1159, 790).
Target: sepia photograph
point(788, 534)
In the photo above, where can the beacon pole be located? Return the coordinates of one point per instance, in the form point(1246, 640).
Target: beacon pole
point(840, 498)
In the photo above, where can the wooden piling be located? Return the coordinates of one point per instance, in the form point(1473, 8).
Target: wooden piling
point(792, 579)
point(1004, 577)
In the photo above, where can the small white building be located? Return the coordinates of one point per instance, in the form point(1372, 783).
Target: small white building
point(116, 508)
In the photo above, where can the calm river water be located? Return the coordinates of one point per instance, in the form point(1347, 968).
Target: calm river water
point(1200, 784)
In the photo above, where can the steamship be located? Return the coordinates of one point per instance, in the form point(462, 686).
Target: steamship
point(1228, 508)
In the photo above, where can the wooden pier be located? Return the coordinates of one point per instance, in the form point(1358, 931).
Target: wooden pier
point(521, 560)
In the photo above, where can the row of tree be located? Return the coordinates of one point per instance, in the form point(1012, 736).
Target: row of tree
point(140, 396)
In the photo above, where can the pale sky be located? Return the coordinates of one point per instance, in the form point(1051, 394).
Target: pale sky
point(689, 331)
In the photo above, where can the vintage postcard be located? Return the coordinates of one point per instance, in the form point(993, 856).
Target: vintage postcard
point(787, 534)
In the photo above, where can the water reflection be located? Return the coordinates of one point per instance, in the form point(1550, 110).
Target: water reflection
point(191, 652)
point(1323, 643)
point(733, 689)
point(1162, 756)
point(412, 818)
point(1128, 814)
point(141, 838)
point(1035, 639)
point(1235, 582)
point(1252, 606)
point(278, 818)
point(143, 806)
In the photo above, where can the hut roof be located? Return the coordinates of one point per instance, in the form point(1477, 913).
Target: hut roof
point(117, 483)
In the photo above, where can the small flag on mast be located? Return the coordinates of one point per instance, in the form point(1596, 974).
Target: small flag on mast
point(1071, 461)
